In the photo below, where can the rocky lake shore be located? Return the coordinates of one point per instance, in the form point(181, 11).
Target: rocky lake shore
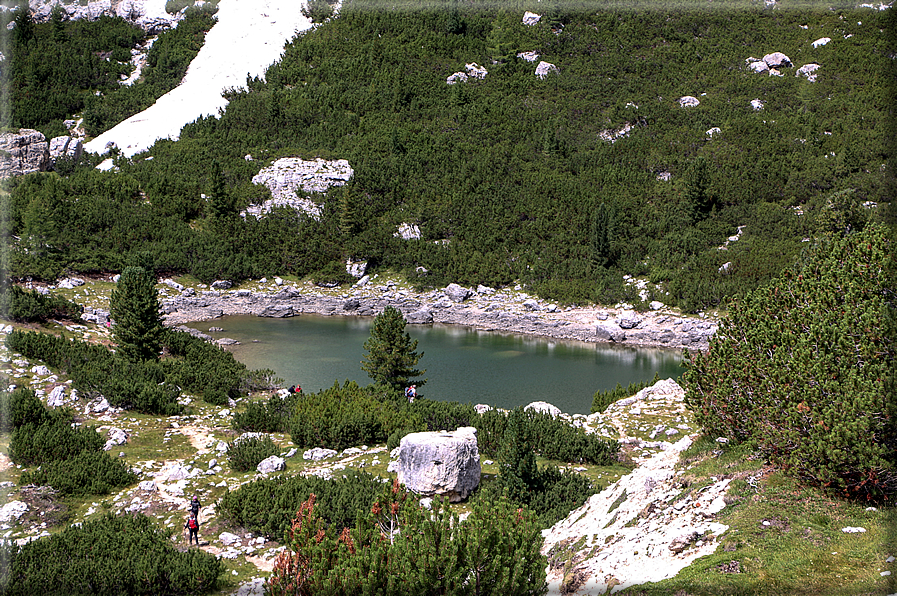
point(508, 310)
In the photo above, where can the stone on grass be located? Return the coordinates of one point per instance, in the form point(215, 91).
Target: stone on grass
point(271, 464)
point(13, 510)
point(440, 463)
point(688, 101)
point(318, 453)
point(457, 293)
point(531, 18)
point(56, 397)
point(543, 69)
point(228, 539)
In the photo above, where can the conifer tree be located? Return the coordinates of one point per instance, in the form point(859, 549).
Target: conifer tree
point(134, 306)
point(602, 235)
point(391, 353)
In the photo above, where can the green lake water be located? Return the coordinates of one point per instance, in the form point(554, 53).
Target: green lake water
point(462, 364)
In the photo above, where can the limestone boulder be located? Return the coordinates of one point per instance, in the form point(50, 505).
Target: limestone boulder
point(65, 147)
point(23, 152)
point(543, 69)
point(543, 407)
point(271, 464)
point(628, 319)
point(777, 60)
point(440, 463)
point(318, 454)
point(457, 293)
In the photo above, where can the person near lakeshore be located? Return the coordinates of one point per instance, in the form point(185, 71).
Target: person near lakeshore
point(193, 526)
point(411, 393)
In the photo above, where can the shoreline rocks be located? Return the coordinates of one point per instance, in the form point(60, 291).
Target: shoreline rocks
point(486, 309)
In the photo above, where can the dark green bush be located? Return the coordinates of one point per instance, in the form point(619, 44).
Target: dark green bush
point(602, 399)
point(87, 473)
point(71, 459)
point(272, 416)
point(342, 417)
point(111, 555)
point(20, 305)
point(245, 453)
point(267, 506)
point(803, 368)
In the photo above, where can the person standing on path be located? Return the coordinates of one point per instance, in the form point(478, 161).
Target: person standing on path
point(195, 506)
point(193, 526)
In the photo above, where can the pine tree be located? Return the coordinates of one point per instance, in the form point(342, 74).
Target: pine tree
point(391, 353)
point(134, 306)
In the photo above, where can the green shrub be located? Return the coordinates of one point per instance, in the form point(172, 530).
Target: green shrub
point(20, 305)
point(71, 459)
point(110, 555)
point(267, 506)
point(87, 473)
point(342, 417)
point(317, 10)
point(803, 368)
point(272, 416)
point(602, 399)
point(246, 452)
point(496, 551)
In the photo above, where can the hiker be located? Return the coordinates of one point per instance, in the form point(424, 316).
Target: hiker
point(411, 393)
point(195, 506)
point(193, 525)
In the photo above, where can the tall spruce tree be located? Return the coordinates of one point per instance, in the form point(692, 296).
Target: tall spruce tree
point(134, 306)
point(391, 353)
point(804, 369)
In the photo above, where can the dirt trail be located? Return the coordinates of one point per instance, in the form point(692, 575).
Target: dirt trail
point(200, 437)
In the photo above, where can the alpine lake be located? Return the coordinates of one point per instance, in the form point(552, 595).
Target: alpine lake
point(462, 364)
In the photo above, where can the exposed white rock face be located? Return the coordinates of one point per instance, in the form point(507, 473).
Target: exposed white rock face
point(12, 510)
point(758, 66)
point(471, 71)
point(777, 60)
point(612, 135)
point(821, 41)
point(149, 15)
point(713, 131)
point(318, 453)
point(543, 407)
point(354, 268)
point(757, 104)
point(407, 231)
point(271, 464)
point(65, 146)
point(528, 56)
point(56, 397)
point(531, 18)
point(289, 176)
point(457, 293)
point(543, 69)
point(809, 71)
point(117, 436)
point(628, 319)
point(440, 463)
point(23, 152)
point(688, 101)
point(622, 549)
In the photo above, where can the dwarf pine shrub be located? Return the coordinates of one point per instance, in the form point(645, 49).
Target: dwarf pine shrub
point(267, 506)
point(245, 453)
point(803, 368)
point(127, 554)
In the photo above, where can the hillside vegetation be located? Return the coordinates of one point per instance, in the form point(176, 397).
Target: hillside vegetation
point(510, 177)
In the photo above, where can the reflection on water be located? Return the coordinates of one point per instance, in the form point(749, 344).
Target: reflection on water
point(462, 364)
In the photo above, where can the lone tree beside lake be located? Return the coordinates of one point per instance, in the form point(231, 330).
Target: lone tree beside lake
point(391, 356)
point(134, 306)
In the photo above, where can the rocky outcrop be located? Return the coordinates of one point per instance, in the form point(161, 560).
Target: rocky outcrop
point(643, 528)
point(149, 15)
point(271, 464)
point(440, 463)
point(471, 71)
point(290, 179)
point(688, 101)
point(66, 147)
point(543, 69)
point(23, 152)
point(808, 71)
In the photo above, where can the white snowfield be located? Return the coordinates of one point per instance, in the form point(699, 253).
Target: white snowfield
point(248, 37)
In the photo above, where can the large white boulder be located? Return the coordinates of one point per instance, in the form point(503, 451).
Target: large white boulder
point(543, 407)
point(440, 463)
point(272, 464)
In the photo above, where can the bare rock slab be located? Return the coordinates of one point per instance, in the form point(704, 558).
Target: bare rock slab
point(440, 463)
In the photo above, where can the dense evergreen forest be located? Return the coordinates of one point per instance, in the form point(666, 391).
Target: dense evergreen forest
point(509, 177)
